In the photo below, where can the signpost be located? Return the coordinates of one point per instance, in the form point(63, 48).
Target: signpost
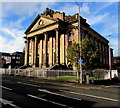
point(80, 62)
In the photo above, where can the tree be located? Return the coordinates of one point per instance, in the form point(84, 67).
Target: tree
point(89, 54)
point(73, 54)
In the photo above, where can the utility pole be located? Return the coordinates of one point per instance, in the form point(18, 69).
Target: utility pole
point(79, 40)
point(109, 57)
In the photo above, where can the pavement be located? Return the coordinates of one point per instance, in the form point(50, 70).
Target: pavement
point(70, 84)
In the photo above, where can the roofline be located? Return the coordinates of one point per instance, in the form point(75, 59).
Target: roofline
point(38, 16)
point(31, 25)
point(99, 34)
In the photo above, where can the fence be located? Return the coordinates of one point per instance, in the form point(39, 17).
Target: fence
point(45, 74)
point(60, 74)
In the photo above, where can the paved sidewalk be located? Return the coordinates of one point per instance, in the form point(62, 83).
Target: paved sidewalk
point(66, 83)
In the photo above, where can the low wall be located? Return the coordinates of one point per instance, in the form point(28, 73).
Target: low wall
point(105, 74)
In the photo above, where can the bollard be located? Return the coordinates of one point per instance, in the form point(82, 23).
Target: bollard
point(87, 79)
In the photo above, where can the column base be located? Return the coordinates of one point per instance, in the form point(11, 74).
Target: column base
point(40, 65)
point(50, 65)
point(34, 65)
point(44, 65)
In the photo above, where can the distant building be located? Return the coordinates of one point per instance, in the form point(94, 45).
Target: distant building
point(49, 35)
point(116, 63)
point(11, 60)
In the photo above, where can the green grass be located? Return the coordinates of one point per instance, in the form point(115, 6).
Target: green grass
point(64, 77)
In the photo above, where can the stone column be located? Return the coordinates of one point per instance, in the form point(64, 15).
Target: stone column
point(57, 47)
point(64, 49)
point(45, 50)
point(35, 51)
point(26, 52)
point(33, 43)
point(51, 51)
point(41, 54)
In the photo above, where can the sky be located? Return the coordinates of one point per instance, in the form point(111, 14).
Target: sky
point(15, 18)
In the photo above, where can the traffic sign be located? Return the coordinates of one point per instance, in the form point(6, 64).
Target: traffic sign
point(80, 62)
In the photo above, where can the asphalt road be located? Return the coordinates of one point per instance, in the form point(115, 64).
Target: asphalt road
point(22, 92)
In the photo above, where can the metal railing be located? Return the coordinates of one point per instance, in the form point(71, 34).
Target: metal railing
point(45, 74)
point(69, 75)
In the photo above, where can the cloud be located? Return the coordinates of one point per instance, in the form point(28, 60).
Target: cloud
point(114, 45)
point(72, 8)
point(9, 32)
point(96, 19)
point(19, 8)
point(85, 9)
point(12, 45)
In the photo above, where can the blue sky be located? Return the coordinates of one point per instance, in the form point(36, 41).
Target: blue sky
point(17, 16)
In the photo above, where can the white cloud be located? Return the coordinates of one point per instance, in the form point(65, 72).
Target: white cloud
point(19, 8)
point(114, 45)
point(12, 45)
point(72, 8)
point(9, 32)
point(96, 19)
point(85, 8)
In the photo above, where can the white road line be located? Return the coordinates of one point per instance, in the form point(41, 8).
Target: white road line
point(4, 101)
point(6, 88)
point(91, 96)
point(46, 91)
point(28, 84)
point(49, 101)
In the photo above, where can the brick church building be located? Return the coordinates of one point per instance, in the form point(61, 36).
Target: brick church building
point(49, 35)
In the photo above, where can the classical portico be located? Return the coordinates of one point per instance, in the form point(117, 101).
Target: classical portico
point(42, 50)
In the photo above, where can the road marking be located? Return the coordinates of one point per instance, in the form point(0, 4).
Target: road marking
point(4, 101)
point(6, 88)
point(49, 101)
point(91, 96)
point(28, 84)
point(46, 91)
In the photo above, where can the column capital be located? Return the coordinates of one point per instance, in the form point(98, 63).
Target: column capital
point(36, 36)
point(56, 29)
point(45, 33)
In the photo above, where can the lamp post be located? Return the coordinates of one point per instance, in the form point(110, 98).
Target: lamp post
point(109, 57)
point(79, 40)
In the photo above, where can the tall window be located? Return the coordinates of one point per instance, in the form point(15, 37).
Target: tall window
point(82, 35)
point(70, 36)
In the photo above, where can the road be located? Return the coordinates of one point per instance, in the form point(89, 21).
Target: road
point(22, 92)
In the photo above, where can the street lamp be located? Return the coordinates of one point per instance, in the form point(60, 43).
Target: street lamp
point(109, 57)
point(79, 40)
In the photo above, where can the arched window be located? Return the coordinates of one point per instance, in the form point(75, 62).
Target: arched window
point(70, 36)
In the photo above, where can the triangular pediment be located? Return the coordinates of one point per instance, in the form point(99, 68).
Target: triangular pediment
point(40, 22)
